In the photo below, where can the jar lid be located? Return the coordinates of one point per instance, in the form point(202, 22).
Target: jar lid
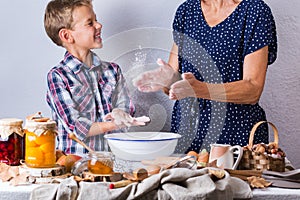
point(9, 126)
point(11, 122)
point(50, 124)
point(40, 127)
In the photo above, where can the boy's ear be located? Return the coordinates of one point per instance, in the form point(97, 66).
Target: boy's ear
point(65, 36)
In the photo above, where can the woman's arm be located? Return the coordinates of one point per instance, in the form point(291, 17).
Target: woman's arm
point(173, 58)
point(246, 91)
point(173, 62)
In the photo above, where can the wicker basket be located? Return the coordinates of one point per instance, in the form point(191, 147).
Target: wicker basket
point(259, 161)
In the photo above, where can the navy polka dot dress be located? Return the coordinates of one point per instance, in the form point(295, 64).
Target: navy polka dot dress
point(215, 55)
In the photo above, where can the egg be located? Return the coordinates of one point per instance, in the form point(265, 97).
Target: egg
point(193, 153)
point(203, 156)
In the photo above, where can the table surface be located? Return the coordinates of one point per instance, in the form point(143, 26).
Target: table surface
point(8, 192)
point(23, 192)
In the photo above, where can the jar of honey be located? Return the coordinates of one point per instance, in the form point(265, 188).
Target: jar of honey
point(100, 163)
point(11, 141)
point(40, 143)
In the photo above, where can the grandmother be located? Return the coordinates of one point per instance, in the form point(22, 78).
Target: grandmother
point(216, 71)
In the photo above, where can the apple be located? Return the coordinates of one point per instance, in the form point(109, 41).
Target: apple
point(59, 153)
point(68, 161)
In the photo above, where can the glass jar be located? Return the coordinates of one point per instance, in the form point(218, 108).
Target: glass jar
point(40, 144)
point(11, 141)
point(100, 163)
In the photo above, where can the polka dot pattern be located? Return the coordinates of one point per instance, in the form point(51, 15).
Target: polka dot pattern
point(215, 55)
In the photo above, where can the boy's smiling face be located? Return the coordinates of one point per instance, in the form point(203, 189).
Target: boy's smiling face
point(86, 31)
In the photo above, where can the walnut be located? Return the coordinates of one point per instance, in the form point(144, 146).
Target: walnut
point(260, 149)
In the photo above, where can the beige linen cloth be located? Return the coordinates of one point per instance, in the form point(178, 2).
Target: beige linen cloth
point(178, 183)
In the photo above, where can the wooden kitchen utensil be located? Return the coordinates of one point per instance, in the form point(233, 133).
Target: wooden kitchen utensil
point(172, 162)
point(136, 176)
point(120, 184)
point(244, 174)
point(73, 137)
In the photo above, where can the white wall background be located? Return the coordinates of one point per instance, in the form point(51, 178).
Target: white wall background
point(26, 55)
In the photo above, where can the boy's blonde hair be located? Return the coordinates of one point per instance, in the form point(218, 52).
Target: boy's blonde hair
point(58, 15)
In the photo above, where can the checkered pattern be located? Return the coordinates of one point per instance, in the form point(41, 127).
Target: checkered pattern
point(257, 161)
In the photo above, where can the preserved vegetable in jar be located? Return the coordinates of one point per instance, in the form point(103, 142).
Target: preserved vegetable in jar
point(11, 141)
point(40, 139)
point(100, 163)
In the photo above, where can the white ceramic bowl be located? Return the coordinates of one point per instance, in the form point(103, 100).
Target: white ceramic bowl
point(137, 146)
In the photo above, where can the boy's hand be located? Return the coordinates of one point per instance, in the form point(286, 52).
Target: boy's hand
point(123, 119)
point(119, 117)
point(158, 79)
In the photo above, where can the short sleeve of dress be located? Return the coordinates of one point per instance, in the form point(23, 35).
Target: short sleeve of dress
point(178, 24)
point(260, 31)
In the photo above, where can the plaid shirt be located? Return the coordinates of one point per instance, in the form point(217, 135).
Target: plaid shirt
point(79, 96)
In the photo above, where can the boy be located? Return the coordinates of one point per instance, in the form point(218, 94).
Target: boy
point(83, 91)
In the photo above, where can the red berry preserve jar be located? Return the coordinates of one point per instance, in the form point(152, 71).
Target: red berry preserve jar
point(11, 141)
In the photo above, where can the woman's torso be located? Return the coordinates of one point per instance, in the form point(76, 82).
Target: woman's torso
point(215, 55)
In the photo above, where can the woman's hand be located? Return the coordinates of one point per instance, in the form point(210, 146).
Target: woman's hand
point(158, 79)
point(187, 87)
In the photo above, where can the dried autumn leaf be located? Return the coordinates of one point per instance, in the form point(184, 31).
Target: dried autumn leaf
point(4, 176)
point(257, 182)
point(20, 179)
point(216, 174)
point(7, 172)
point(13, 171)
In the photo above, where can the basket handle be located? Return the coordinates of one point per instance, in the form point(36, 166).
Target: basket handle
point(276, 139)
